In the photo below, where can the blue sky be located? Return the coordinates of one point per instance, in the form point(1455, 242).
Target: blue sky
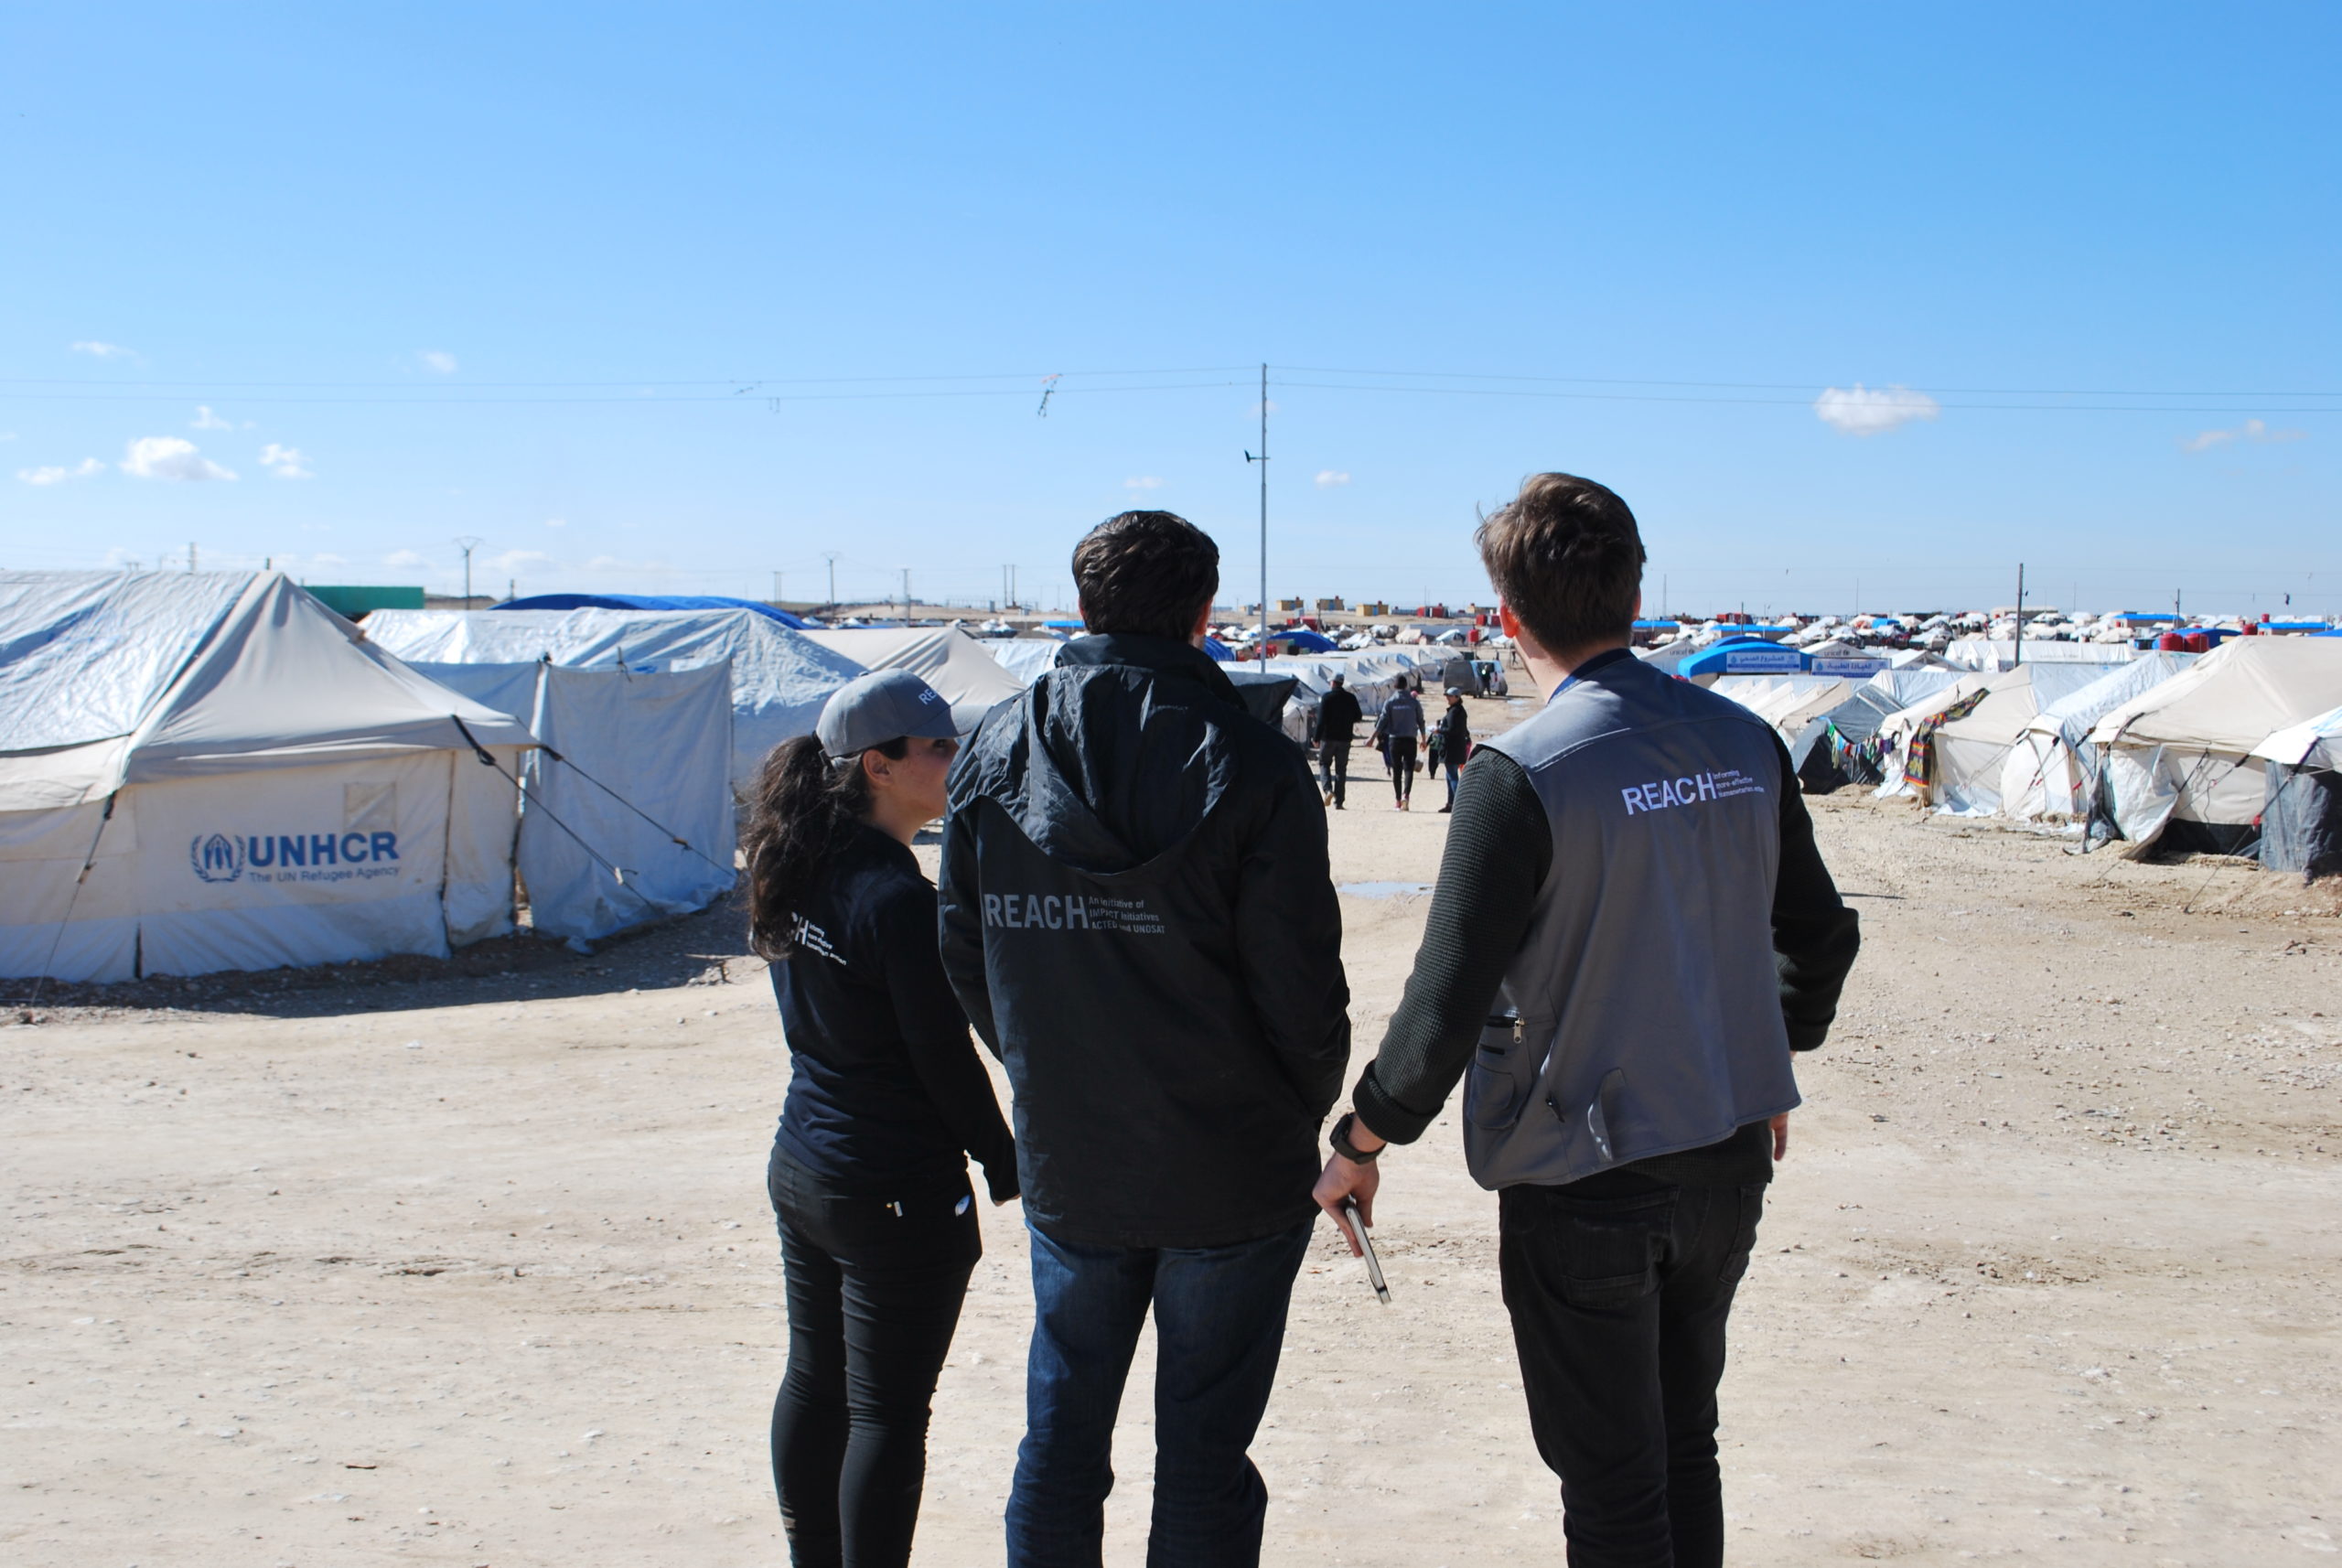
point(673, 298)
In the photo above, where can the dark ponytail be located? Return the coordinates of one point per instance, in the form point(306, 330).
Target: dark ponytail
point(802, 807)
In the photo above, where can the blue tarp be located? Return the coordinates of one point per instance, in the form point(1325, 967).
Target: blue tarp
point(1218, 649)
point(1743, 656)
point(1301, 640)
point(654, 602)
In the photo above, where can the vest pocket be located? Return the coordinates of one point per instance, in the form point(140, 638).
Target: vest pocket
point(1496, 1092)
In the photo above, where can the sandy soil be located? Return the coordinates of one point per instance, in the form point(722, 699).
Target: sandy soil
point(416, 1264)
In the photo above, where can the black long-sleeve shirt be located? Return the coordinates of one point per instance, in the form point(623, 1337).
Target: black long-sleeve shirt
point(885, 1090)
point(1499, 850)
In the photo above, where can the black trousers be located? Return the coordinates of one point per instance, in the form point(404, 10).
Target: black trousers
point(1619, 1286)
point(1403, 766)
point(1334, 768)
point(874, 1291)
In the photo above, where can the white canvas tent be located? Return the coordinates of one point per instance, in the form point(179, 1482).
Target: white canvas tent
point(626, 814)
point(2052, 768)
point(1825, 750)
point(1982, 653)
point(2183, 754)
point(946, 657)
point(1788, 703)
point(210, 771)
point(1895, 730)
point(780, 678)
point(1973, 751)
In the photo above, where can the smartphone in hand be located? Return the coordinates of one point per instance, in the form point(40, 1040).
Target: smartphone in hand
point(1373, 1264)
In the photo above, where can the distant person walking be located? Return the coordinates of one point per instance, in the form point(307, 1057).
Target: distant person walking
point(1631, 932)
point(1454, 741)
point(1138, 914)
point(886, 1099)
point(1338, 718)
point(1402, 727)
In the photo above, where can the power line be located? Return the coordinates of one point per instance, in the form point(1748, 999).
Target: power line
point(1789, 386)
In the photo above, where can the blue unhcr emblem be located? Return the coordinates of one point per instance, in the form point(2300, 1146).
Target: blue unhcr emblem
point(218, 858)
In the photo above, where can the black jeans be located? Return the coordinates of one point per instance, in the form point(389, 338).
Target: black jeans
point(1403, 766)
point(874, 1291)
point(1334, 768)
point(1619, 1286)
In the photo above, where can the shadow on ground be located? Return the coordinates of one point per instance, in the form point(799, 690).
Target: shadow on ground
point(697, 949)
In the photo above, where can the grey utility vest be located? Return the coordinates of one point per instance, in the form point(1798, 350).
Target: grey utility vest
point(1647, 1004)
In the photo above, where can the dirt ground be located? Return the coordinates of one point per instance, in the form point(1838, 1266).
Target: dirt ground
point(472, 1263)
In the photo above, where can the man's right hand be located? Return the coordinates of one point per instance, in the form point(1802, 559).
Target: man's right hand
point(1347, 1179)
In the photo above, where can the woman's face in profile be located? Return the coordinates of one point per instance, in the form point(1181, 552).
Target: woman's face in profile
point(919, 778)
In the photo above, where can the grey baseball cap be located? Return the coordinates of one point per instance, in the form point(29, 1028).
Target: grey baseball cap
point(882, 706)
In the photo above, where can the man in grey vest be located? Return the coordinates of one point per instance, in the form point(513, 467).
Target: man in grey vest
point(1631, 933)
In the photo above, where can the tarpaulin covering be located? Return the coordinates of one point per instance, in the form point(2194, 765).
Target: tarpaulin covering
point(2301, 820)
point(654, 602)
point(780, 678)
point(1026, 659)
point(641, 759)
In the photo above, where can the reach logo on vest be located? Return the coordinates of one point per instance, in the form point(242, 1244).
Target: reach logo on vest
point(1695, 789)
point(1071, 912)
point(293, 857)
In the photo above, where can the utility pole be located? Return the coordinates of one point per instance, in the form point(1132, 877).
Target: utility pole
point(467, 544)
point(776, 590)
point(832, 557)
point(511, 589)
point(2016, 655)
point(907, 596)
point(190, 557)
point(1262, 650)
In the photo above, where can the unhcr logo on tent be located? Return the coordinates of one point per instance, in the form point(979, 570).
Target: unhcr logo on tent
point(294, 857)
point(217, 858)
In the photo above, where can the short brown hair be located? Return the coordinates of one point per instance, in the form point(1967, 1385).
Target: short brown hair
point(1565, 557)
point(1148, 572)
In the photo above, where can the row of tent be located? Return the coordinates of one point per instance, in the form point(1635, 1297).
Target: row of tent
point(203, 772)
point(2233, 751)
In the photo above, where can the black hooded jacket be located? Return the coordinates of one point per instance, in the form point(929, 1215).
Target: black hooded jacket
point(1138, 916)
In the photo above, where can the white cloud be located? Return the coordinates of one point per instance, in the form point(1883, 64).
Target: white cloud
point(57, 475)
point(168, 457)
point(106, 350)
point(404, 559)
point(556, 522)
point(1144, 482)
point(438, 359)
point(284, 462)
point(1327, 479)
point(1868, 411)
point(206, 420)
point(517, 560)
point(2252, 430)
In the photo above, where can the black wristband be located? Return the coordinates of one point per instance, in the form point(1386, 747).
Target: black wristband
point(1340, 1139)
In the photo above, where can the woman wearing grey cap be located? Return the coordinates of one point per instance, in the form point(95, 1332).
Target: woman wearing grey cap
point(886, 1101)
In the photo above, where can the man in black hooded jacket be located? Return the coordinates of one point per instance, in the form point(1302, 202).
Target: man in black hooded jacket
point(1138, 915)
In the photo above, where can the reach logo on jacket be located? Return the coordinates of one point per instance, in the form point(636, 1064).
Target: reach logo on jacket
point(1071, 912)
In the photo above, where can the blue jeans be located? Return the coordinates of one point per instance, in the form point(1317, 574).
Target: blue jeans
point(1218, 1324)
